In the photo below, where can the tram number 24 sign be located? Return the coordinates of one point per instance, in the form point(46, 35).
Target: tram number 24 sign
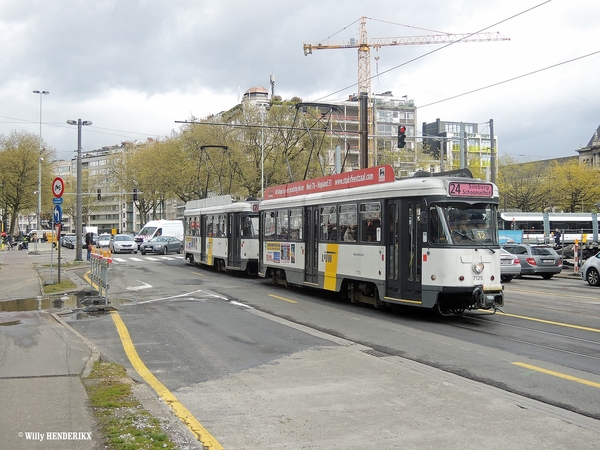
point(58, 187)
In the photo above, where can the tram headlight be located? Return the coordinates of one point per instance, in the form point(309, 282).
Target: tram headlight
point(478, 267)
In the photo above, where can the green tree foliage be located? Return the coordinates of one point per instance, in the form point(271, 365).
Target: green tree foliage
point(523, 187)
point(19, 172)
point(575, 187)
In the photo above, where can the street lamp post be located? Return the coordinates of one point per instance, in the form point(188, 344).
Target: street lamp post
point(39, 189)
point(79, 224)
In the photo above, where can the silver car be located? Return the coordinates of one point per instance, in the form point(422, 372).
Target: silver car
point(121, 243)
point(161, 245)
point(536, 259)
point(590, 271)
point(510, 266)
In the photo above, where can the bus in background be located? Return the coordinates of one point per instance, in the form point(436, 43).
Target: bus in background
point(539, 228)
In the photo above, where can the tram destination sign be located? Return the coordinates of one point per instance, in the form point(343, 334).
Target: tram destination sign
point(461, 189)
point(345, 180)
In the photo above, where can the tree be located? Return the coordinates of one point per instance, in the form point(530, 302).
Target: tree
point(523, 187)
point(574, 186)
point(19, 173)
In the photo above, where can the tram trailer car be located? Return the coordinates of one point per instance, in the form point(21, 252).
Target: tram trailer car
point(222, 234)
point(427, 241)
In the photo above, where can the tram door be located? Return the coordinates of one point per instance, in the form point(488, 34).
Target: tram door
point(234, 239)
point(203, 234)
point(404, 249)
point(311, 265)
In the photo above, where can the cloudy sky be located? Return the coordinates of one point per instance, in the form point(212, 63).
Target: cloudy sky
point(134, 67)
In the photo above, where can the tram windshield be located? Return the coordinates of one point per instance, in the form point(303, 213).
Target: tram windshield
point(463, 224)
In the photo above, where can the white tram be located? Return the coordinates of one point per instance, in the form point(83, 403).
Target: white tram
point(222, 233)
point(427, 241)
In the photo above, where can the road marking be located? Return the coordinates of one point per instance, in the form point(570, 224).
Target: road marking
point(558, 374)
point(550, 322)
point(200, 274)
point(152, 259)
point(119, 259)
point(556, 294)
point(137, 288)
point(181, 411)
point(282, 298)
point(135, 259)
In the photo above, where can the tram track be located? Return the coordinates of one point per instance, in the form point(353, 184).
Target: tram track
point(533, 330)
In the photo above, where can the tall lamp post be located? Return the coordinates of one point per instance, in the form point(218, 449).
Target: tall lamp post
point(79, 224)
point(39, 189)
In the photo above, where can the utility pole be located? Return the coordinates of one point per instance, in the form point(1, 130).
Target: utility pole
point(79, 224)
point(492, 153)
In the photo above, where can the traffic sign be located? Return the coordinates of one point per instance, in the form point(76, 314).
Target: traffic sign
point(57, 213)
point(57, 201)
point(58, 187)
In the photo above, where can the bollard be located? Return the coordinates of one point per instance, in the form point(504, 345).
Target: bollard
point(99, 262)
point(576, 255)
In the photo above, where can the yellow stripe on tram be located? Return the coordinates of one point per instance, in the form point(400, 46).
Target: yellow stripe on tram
point(207, 440)
point(331, 263)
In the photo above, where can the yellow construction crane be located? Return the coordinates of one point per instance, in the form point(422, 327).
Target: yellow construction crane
point(364, 47)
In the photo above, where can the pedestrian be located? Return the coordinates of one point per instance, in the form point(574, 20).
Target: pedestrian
point(89, 238)
point(557, 236)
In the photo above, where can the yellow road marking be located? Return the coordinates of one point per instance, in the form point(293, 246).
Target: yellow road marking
point(197, 273)
point(550, 322)
point(558, 374)
point(282, 298)
point(181, 411)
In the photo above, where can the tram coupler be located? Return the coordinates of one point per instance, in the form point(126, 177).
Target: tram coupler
point(483, 300)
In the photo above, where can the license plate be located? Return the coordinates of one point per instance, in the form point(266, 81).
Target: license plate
point(505, 262)
point(548, 261)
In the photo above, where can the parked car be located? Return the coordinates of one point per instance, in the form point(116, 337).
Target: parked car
point(103, 240)
point(510, 266)
point(162, 245)
point(69, 242)
point(121, 243)
point(590, 271)
point(536, 259)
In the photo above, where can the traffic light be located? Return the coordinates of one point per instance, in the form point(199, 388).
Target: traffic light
point(99, 194)
point(135, 194)
point(401, 136)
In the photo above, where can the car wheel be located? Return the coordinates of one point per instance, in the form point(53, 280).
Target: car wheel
point(547, 276)
point(142, 252)
point(180, 249)
point(506, 278)
point(135, 251)
point(592, 277)
point(164, 250)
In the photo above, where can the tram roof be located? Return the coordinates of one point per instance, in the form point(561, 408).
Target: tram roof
point(405, 187)
point(231, 207)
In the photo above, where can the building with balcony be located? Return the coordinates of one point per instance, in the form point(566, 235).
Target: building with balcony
point(458, 144)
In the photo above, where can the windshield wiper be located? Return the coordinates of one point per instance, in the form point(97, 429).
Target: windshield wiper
point(464, 235)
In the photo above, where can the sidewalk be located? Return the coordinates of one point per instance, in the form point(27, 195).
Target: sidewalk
point(41, 361)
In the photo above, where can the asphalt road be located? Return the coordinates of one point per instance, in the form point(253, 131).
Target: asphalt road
point(216, 339)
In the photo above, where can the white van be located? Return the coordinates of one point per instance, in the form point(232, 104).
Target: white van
point(160, 227)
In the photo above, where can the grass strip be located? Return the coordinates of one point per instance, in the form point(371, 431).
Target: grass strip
point(124, 423)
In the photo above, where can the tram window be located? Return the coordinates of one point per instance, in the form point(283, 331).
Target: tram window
point(248, 229)
point(348, 225)
point(328, 223)
point(437, 234)
point(295, 224)
point(282, 224)
point(370, 222)
point(269, 225)
point(195, 229)
point(208, 225)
